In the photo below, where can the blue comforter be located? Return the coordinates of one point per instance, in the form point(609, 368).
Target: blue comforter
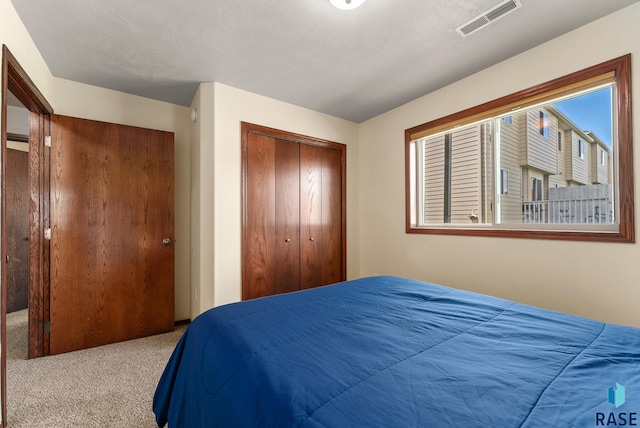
point(393, 352)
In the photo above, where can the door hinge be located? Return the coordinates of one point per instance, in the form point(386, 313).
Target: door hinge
point(47, 327)
point(47, 234)
point(47, 141)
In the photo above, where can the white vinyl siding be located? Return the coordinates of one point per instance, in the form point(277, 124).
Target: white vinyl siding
point(434, 179)
point(567, 153)
point(557, 181)
point(465, 177)
point(599, 172)
point(465, 171)
point(510, 148)
point(579, 165)
point(541, 152)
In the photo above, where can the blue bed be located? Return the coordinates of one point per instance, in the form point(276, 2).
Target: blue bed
point(393, 352)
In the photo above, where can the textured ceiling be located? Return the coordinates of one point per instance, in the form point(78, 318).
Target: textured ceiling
point(350, 64)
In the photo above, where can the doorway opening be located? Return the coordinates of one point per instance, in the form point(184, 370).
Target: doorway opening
point(16, 185)
point(16, 82)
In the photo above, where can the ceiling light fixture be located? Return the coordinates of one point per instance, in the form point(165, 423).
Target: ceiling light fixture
point(346, 4)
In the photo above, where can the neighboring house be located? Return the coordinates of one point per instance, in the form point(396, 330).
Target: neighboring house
point(454, 165)
point(550, 172)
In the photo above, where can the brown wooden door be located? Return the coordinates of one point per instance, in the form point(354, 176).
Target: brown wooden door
point(271, 228)
point(112, 202)
point(293, 234)
point(17, 178)
point(320, 216)
point(287, 236)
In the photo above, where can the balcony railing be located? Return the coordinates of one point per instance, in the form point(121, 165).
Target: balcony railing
point(581, 211)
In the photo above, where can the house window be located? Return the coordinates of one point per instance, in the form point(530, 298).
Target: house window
point(559, 141)
point(581, 149)
point(544, 124)
point(602, 158)
point(458, 167)
point(504, 182)
point(507, 120)
point(536, 189)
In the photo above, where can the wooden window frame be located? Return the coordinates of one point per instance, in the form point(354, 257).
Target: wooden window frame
point(618, 69)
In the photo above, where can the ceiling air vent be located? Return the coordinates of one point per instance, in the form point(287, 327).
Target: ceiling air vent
point(488, 17)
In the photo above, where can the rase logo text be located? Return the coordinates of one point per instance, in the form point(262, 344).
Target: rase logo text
point(616, 397)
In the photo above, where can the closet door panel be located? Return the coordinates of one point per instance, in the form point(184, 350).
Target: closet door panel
point(310, 216)
point(287, 230)
point(260, 274)
point(331, 235)
point(293, 212)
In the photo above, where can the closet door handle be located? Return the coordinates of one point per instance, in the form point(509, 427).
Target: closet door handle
point(287, 240)
point(311, 239)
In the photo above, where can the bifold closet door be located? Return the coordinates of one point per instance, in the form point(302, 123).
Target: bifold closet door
point(320, 216)
point(293, 207)
point(272, 222)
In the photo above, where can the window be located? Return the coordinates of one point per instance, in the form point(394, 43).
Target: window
point(504, 182)
point(507, 120)
point(581, 149)
point(459, 168)
point(536, 189)
point(544, 124)
point(559, 141)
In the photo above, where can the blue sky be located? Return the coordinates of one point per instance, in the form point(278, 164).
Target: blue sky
point(592, 112)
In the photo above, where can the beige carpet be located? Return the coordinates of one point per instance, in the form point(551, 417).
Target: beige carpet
point(107, 386)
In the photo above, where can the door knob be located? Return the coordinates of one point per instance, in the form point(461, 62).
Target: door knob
point(166, 242)
point(311, 239)
point(287, 240)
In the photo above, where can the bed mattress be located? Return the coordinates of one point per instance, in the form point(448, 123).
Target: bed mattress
point(395, 352)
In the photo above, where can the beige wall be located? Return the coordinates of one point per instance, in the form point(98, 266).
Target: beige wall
point(604, 288)
point(202, 221)
point(15, 36)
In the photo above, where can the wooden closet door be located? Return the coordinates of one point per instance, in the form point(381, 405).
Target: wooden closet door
point(320, 216)
point(287, 216)
point(271, 217)
point(293, 211)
